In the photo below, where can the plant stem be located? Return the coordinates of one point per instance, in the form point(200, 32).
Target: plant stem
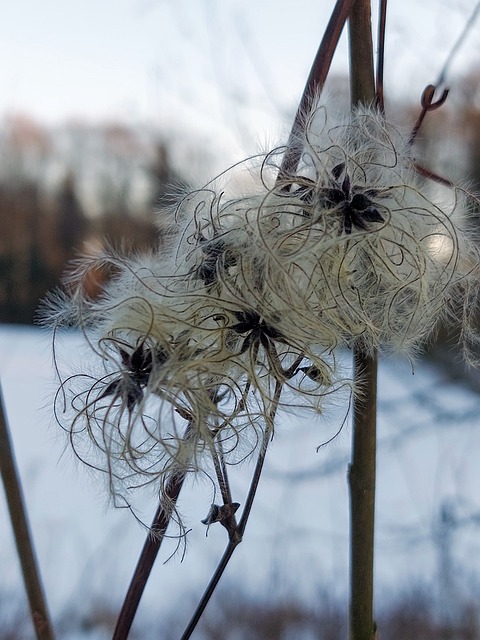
point(149, 552)
point(237, 536)
point(21, 530)
point(222, 565)
point(382, 21)
point(362, 499)
point(362, 78)
point(314, 85)
point(362, 469)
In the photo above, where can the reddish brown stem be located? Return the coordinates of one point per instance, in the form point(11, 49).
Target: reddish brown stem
point(21, 530)
point(382, 22)
point(148, 556)
point(428, 104)
point(315, 82)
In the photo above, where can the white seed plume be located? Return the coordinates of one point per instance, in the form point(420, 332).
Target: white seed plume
point(259, 290)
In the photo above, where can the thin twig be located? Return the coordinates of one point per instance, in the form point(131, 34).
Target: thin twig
point(267, 436)
point(226, 514)
point(222, 565)
point(236, 539)
point(363, 467)
point(221, 472)
point(456, 46)
point(21, 530)
point(427, 102)
point(431, 175)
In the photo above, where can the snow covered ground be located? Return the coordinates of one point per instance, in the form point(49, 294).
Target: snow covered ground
point(428, 503)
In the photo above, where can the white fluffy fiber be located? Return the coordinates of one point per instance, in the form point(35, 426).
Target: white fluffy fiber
point(351, 249)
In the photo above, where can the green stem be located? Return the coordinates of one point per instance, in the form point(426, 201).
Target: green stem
point(362, 78)
point(21, 530)
point(363, 466)
point(362, 499)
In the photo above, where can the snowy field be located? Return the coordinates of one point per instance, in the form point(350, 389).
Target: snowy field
point(428, 503)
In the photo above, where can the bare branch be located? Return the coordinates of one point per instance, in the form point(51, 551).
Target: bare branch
point(21, 530)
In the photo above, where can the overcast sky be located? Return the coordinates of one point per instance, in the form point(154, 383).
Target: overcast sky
point(211, 65)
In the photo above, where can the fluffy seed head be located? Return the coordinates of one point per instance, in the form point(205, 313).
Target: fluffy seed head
point(257, 291)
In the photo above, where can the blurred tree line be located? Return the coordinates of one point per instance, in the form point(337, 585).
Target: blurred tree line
point(71, 190)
